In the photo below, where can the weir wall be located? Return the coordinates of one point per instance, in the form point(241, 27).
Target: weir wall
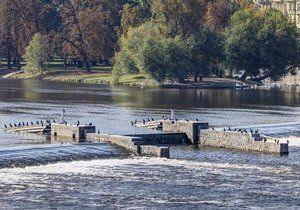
point(239, 141)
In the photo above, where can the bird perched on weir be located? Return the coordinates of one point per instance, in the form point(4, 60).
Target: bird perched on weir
point(37, 122)
point(15, 125)
point(144, 121)
point(148, 119)
point(176, 119)
point(78, 123)
point(90, 124)
point(132, 123)
point(224, 129)
point(197, 119)
point(54, 121)
point(27, 124)
point(135, 121)
point(251, 131)
point(32, 123)
point(187, 120)
point(19, 125)
point(229, 128)
point(213, 128)
point(152, 119)
point(10, 125)
point(256, 131)
point(5, 126)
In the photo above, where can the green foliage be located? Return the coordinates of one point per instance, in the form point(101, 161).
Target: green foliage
point(36, 55)
point(262, 43)
point(144, 50)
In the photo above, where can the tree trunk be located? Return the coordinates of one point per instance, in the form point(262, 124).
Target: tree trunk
point(87, 65)
point(8, 60)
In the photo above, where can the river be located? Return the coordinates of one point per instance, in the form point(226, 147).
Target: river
point(37, 174)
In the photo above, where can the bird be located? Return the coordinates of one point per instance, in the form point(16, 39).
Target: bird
point(98, 131)
point(176, 119)
point(15, 125)
point(54, 121)
point(42, 123)
point(224, 129)
point(135, 121)
point(213, 128)
point(229, 128)
point(5, 126)
point(287, 141)
point(187, 120)
point(144, 121)
point(256, 131)
point(197, 119)
point(10, 125)
point(37, 122)
point(163, 117)
point(152, 119)
point(148, 120)
point(27, 124)
point(19, 125)
point(245, 131)
point(78, 123)
point(23, 124)
point(32, 123)
point(90, 124)
point(132, 123)
point(251, 131)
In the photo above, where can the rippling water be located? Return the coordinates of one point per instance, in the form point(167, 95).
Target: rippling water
point(103, 176)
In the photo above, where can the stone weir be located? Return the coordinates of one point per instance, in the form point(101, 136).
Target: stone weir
point(242, 141)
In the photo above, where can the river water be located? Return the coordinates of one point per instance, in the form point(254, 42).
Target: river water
point(37, 174)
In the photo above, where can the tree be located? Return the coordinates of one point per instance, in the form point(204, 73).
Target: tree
point(36, 55)
point(88, 28)
point(262, 43)
point(144, 50)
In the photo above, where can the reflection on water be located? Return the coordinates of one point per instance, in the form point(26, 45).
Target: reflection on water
point(193, 178)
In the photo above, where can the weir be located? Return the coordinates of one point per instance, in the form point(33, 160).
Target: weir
point(175, 132)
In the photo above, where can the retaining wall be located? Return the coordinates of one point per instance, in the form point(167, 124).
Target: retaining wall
point(237, 140)
point(71, 131)
point(164, 138)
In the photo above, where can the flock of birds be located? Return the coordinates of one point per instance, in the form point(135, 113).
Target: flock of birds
point(37, 123)
point(23, 124)
point(144, 121)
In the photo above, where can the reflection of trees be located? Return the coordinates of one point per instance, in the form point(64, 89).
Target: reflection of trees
point(193, 98)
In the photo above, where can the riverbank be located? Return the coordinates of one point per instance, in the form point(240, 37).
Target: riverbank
point(134, 80)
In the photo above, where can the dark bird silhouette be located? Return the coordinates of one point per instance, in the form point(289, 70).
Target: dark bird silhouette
point(152, 119)
point(287, 141)
point(23, 124)
point(256, 131)
point(5, 126)
point(135, 121)
point(41, 121)
point(213, 128)
point(10, 125)
point(187, 120)
point(176, 119)
point(251, 131)
point(144, 121)
point(54, 121)
point(148, 120)
point(245, 131)
point(37, 122)
point(27, 124)
point(15, 125)
point(32, 123)
point(98, 131)
point(197, 119)
point(229, 128)
point(224, 129)
point(90, 124)
point(78, 123)
point(163, 117)
point(132, 123)
point(19, 125)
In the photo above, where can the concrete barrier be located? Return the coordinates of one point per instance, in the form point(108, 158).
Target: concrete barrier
point(71, 131)
point(164, 138)
point(190, 128)
point(239, 141)
point(131, 143)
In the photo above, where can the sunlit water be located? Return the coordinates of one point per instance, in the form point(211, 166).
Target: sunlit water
point(104, 176)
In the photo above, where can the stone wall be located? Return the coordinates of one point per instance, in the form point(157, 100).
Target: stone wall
point(133, 144)
point(71, 131)
point(239, 141)
point(191, 128)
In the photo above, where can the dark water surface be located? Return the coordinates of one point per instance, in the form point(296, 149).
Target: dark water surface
point(102, 176)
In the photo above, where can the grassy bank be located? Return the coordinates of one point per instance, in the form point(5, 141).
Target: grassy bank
point(99, 76)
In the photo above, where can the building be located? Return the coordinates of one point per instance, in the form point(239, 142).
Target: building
point(289, 7)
